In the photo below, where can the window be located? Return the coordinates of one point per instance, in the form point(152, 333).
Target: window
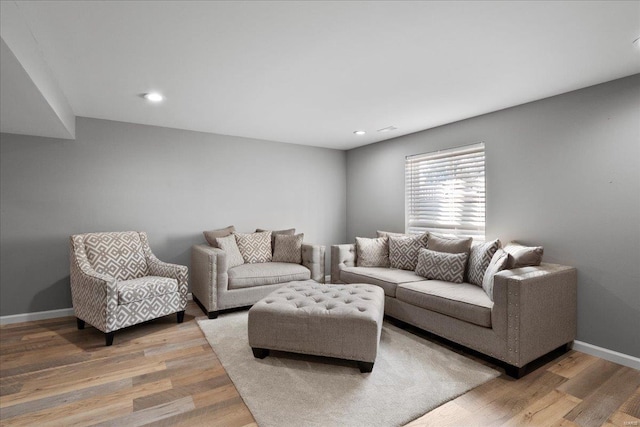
point(445, 192)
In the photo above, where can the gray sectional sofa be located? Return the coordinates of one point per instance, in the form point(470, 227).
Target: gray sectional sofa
point(533, 310)
point(216, 286)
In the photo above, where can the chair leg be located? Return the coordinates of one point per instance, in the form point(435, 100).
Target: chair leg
point(80, 323)
point(109, 338)
point(180, 316)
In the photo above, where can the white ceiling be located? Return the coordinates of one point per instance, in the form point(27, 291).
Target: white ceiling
point(313, 72)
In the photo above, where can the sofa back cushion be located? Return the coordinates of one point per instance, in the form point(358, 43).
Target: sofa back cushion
point(119, 255)
point(372, 252)
point(255, 247)
point(441, 265)
point(452, 245)
point(403, 250)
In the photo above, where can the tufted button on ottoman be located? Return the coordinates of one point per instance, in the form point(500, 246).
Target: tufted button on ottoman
point(342, 321)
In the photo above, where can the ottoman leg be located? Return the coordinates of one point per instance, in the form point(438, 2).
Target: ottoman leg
point(260, 353)
point(365, 367)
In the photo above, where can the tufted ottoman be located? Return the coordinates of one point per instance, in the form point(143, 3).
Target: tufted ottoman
point(342, 321)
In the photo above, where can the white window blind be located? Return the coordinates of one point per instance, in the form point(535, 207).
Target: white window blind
point(445, 192)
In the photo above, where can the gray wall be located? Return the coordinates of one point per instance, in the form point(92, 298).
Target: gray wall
point(563, 172)
point(170, 183)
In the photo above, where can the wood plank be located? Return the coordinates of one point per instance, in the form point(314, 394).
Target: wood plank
point(582, 385)
point(154, 414)
point(596, 408)
point(574, 363)
point(620, 419)
point(632, 405)
point(544, 411)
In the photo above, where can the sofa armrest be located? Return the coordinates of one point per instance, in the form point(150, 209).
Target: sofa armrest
point(313, 259)
point(541, 309)
point(341, 256)
point(208, 274)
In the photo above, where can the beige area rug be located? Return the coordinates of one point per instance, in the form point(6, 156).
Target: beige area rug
point(411, 376)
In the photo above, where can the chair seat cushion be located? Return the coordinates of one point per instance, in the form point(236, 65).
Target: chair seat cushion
point(266, 273)
point(463, 301)
point(145, 287)
point(387, 278)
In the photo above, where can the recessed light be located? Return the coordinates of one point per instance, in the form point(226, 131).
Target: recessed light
point(153, 97)
point(359, 132)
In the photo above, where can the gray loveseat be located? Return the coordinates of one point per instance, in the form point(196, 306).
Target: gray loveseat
point(216, 287)
point(532, 313)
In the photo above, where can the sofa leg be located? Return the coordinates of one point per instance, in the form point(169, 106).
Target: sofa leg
point(213, 315)
point(210, 314)
point(180, 315)
point(365, 367)
point(515, 372)
point(80, 323)
point(260, 353)
point(109, 338)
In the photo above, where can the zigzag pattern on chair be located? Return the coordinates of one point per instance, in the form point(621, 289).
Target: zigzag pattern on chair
point(119, 255)
point(479, 259)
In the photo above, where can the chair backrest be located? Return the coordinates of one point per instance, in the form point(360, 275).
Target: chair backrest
point(120, 255)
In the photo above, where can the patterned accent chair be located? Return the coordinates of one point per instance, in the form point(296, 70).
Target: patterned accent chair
point(116, 281)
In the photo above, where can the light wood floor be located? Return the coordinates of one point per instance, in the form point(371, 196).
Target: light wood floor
point(162, 373)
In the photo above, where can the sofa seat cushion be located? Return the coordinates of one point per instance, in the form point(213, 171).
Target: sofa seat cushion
point(266, 273)
point(387, 278)
point(463, 301)
point(145, 287)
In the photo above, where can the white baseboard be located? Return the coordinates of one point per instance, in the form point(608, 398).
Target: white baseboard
point(327, 279)
point(43, 315)
point(38, 315)
point(610, 355)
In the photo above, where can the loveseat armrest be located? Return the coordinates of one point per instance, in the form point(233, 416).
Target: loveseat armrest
point(341, 256)
point(208, 275)
point(541, 308)
point(313, 259)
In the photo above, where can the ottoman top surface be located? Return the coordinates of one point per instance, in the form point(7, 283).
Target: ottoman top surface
point(352, 300)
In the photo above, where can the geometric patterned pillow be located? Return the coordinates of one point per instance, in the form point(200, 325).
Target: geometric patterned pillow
point(274, 233)
point(230, 247)
point(403, 250)
point(372, 252)
point(441, 265)
point(479, 259)
point(255, 247)
point(288, 248)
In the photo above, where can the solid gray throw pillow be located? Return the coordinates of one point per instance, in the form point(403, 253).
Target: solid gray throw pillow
point(288, 248)
point(212, 235)
point(372, 252)
point(479, 259)
point(255, 247)
point(230, 247)
point(274, 233)
point(441, 265)
point(523, 256)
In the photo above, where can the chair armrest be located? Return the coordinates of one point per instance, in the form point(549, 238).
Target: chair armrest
point(313, 259)
point(208, 274)
point(341, 256)
point(164, 269)
point(92, 293)
point(541, 309)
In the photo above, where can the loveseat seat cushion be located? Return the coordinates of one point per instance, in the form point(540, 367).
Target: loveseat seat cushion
point(387, 278)
point(463, 301)
point(266, 273)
